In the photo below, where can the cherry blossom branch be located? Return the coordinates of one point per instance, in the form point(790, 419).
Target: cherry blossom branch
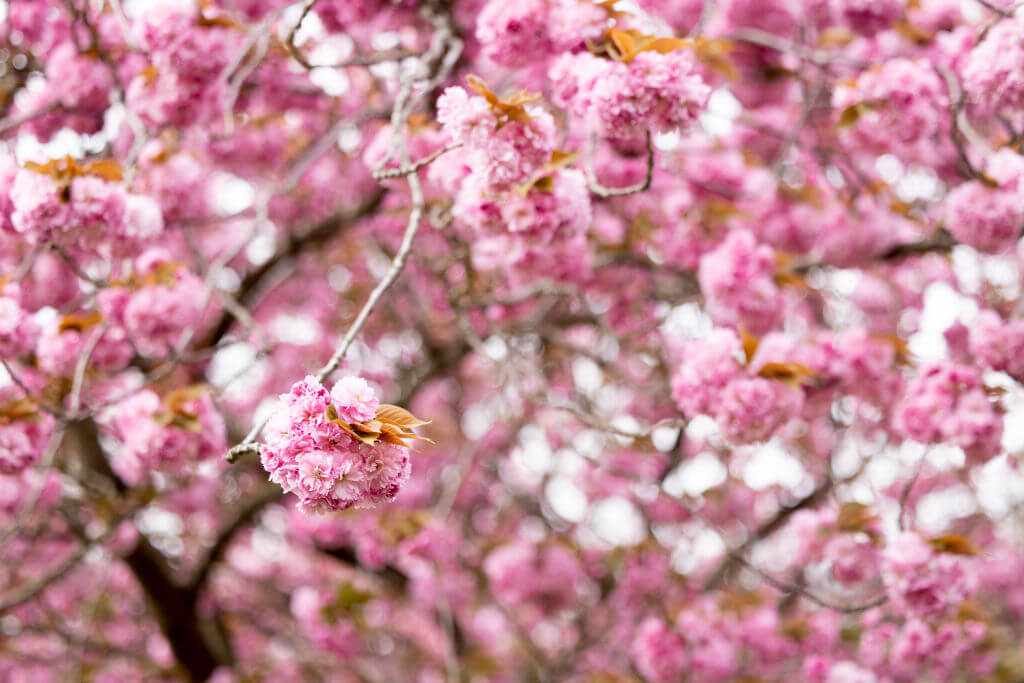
point(443, 45)
point(383, 174)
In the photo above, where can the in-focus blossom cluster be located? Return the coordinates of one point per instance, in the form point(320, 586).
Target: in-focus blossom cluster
point(340, 448)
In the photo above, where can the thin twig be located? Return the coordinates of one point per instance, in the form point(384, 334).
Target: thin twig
point(601, 191)
point(384, 174)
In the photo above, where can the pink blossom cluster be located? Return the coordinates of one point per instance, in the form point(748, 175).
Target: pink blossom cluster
point(528, 32)
point(900, 108)
point(946, 403)
point(85, 214)
point(325, 624)
point(502, 153)
point(182, 84)
point(18, 330)
point(868, 16)
point(658, 651)
point(75, 83)
point(710, 379)
point(865, 365)
point(922, 581)
point(63, 343)
point(545, 576)
point(321, 463)
point(540, 231)
point(998, 343)
point(24, 430)
point(852, 558)
point(162, 302)
point(738, 281)
point(989, 219)
point(172, 435)
point(654, 91)
point(993, 72)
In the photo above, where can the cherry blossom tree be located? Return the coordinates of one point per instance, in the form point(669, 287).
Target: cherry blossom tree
point(492, 340)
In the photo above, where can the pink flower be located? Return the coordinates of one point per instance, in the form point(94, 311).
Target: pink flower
point(660, 654)
point(171, 435)
point(753, 409)
point(706, 367)
point(355, 399)
point(988, 219)
point(868, 16)
point(18, 331)
point(852, 559)
point(23, 433)
point(322, 464)
point(922, 581)
point(997, 343)
point(531, 31)
point(947, 403)
point(654, 91)
point(543, 576)
point(504, 153)
point(737, 278)
point(993, 73)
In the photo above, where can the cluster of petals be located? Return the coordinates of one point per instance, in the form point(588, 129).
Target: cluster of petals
point(85, 214)
point(947, 403)
point(504, 153)
point(183, 83)
point(738, 281)
point(990, 219)
point(653, 91)
point(900, 108)
point(161, 302)
point(24, 430)
point(543, 575)
point(542, 230)
point(531, 31)
point(993, 73)
point(710, 379)
point(173, 434)
point(919, 580)
point(322, 464)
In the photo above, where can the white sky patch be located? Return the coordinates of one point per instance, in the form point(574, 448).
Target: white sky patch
point(1013, 428)
point(534, 452)
point(617, 522)
point(771, 466)
point(689, 555)
point(333, 82)
point(942, 307)
point(937, 510)
point(688, 321)
point(586, 375)
point(567, 500)
point(889, 168)
point(723, 108)
point(1000, 486)
point(477, 419)
point(232, 194)
point(696, 476)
